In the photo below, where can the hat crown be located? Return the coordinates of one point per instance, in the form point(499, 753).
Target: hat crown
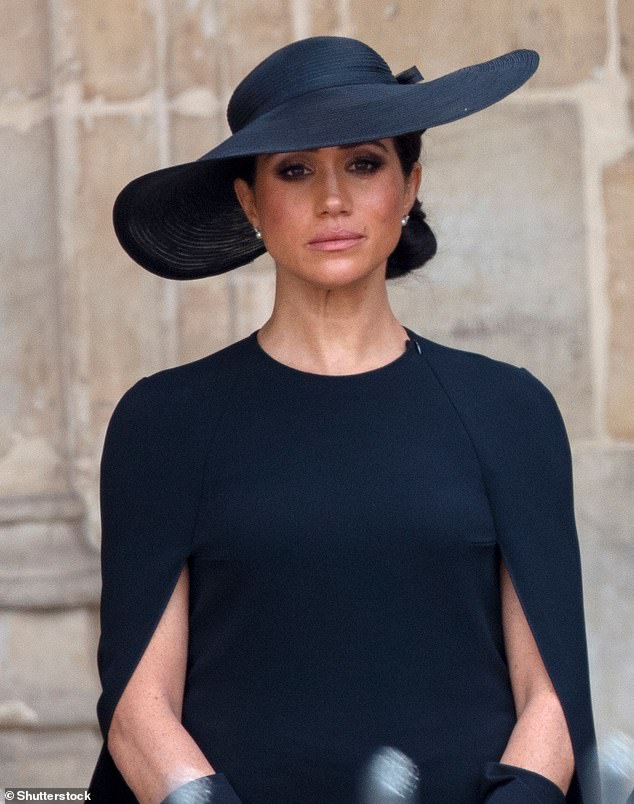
point(318, 62)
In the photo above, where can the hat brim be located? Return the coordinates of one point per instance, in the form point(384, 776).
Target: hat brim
point(185, 222)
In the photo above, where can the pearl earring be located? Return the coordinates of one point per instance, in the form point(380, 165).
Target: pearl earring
point(258, 233)
point(404, 220)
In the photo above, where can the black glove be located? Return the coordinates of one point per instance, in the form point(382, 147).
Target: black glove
point(212, 789)
point(509, 784)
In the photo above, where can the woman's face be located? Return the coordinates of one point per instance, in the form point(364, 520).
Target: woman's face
point(356, 191)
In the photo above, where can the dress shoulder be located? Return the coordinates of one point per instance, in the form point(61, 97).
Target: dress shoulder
point(489, 377)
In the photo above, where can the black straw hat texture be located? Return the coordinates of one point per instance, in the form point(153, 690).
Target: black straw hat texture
point(185, 221)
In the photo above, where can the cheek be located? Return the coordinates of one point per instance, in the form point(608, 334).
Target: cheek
point(281, 211)
point(384, 203)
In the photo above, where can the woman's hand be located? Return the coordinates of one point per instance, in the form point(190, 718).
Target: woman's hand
point(511, 784)
point(147, 741)
point(540, 738)
point(213, 789)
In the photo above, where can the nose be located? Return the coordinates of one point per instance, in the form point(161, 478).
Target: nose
point(332, 192)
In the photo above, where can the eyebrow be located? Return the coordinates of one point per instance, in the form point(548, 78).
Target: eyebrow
point(354, 145)
point(340, 147)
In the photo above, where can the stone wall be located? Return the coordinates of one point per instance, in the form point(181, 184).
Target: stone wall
point(532, 201)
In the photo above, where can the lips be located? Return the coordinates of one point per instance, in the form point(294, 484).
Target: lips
point(331, 235)
point(336, 240)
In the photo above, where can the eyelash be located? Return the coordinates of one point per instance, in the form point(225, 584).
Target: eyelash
point(374, 163)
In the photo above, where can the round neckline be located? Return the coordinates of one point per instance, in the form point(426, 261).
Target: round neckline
point(411, 348)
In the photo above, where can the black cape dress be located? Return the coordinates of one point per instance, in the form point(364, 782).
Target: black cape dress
point(343, 536)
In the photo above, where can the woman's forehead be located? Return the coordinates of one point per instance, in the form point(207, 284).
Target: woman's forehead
point(383, 144)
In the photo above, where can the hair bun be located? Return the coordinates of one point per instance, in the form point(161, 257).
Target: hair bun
point(417, 245)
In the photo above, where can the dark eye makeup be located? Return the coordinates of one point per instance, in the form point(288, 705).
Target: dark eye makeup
point(364, 165)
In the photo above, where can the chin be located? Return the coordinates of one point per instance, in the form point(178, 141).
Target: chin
point(334, 276)
point(333, 271)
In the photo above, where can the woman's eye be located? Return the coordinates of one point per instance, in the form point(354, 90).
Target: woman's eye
point(367, 165)
point(291, 171)
point(363, 164)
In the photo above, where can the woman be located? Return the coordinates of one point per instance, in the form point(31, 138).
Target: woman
point(339, 559)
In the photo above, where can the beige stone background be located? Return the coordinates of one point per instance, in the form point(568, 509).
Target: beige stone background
point(532, 201)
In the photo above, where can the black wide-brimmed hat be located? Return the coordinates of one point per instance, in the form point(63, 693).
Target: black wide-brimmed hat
point(185, 221)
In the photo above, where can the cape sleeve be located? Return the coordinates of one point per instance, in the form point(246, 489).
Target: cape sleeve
point(150, 483)
point(520, 438)
point(527, 465)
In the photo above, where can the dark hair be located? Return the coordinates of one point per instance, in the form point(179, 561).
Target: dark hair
point(417, 243)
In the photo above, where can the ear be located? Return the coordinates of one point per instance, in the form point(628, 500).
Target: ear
point(413, 185)
point(246, 197)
